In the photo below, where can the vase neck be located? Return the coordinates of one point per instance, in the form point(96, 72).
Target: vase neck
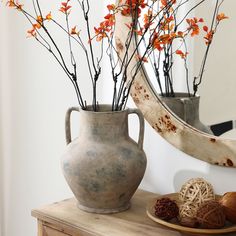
point(191, 110)
point(187, 108)
point(103, 125)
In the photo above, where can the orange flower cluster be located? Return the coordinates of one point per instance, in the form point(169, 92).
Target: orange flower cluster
point(107, 25)
point(148, 19)
point(74, 31)
point(181, 53)
point(133, 7)
point(193, 25)
point(65, 7)
point(165, 34)
point(16, 4)
point(221, 16)
point(39, 22)
point(210, 33)
point(167, 23)
point(159, 41)
point(167, 2)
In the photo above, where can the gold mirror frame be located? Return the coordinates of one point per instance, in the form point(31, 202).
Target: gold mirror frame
point(212, 149)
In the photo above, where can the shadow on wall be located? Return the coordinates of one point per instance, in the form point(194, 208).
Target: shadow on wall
point(216, 175)
point(183, 176)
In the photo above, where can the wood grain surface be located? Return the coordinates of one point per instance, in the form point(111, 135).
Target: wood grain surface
point(66, 218)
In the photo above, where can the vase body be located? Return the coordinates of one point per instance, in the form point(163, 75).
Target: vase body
point(104, 166)
point(187, 108)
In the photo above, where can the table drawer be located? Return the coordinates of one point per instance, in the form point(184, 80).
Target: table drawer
point(48, 231)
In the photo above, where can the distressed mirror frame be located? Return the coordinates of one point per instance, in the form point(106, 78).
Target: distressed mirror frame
point(212, 149)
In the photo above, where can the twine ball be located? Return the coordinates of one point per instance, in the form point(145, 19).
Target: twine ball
point(166, 209)
point(210, 215)
point(196, 191)
point(187, 215)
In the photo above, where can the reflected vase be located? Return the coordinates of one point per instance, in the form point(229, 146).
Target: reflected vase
point(187, 108)
point(104, 166)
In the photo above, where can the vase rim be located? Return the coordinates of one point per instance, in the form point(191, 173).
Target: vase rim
point(180, 95)
point(102, 108)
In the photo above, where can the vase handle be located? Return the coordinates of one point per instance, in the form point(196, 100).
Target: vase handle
point(67, 123)
point(141, 125)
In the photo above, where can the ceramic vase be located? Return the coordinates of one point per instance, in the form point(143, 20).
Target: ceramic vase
point(187, 108)
point(103, 166)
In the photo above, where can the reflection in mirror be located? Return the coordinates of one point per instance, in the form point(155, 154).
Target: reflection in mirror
point(180, 28)
point(218, 87)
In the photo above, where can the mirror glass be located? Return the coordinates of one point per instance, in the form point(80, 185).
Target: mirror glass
point(216, 93)
point(217, 90)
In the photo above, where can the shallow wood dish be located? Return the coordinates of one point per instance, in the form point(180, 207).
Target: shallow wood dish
point(174, 224)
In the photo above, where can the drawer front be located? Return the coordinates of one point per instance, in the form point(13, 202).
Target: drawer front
point(47, 231)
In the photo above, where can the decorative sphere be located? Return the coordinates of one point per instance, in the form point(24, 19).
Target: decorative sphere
point(166, 209)
point(228, 201)
point(196, 191)
point(211, 215)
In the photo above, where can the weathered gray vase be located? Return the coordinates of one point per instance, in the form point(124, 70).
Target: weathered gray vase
point(104, 166)
point(186, 108)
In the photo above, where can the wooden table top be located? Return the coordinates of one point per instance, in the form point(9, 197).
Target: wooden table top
point(133, 222)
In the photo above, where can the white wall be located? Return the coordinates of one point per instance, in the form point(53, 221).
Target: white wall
point(32, 132)
point(34, 98)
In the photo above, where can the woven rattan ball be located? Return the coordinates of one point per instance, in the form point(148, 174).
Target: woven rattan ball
point(187, 215)
point(211, 215)
point(196, 191)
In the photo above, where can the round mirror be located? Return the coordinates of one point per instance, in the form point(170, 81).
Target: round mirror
point(198, 141)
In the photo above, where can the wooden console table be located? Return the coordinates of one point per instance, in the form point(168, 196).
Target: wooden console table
point(65, 219)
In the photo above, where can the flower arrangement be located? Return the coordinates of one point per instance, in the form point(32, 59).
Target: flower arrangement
point(170, 32)
point(157, 24)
